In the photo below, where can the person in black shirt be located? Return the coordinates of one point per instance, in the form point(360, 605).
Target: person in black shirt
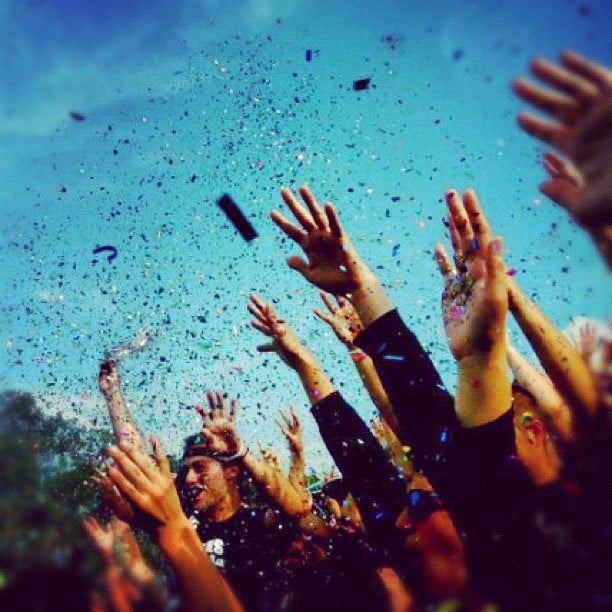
point(246, 544)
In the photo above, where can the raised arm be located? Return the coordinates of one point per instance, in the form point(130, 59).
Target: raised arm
point(121, 419)
point(123, 558)
point(474, 305)
point(344, 320)
point(291, 428)
point(578, 98)
point(550, 404)
point(421, 403)
point(560, 360)
point(219, 429)
point(369, 474)
point(149, 484)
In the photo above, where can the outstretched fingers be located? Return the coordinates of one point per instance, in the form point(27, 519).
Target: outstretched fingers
point(161, 459)
point(126, 476)
point(496, 279)
point(328, 302)
point(555, 134)
point(566, 80)
point(316, 212)
point(324, 316)
point(478, 220)
point(146, 468)
point(288, 228)
point(444, 264)
point(334, 221)
point(303, 215)
point(588, 69)
point(462, 226)
point(554, 103)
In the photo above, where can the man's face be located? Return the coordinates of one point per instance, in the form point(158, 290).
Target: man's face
point(206, 483)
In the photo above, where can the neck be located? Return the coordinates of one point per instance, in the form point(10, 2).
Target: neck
point(546, 471)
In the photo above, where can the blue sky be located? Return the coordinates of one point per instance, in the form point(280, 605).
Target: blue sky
point(222, 92)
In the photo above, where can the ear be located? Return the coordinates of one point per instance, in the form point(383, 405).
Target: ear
point(536, 432)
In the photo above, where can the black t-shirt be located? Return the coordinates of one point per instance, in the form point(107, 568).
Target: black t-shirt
point(249, 548)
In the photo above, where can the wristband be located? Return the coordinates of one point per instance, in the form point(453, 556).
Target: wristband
point(357, 355)
point(241, 453)
point(423, 503)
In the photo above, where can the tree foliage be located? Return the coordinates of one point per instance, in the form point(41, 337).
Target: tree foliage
point(45, 486)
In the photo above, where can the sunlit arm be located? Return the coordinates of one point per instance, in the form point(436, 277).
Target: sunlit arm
point(123, 424)
point(562, 362)
point(549, 403)
point(291, 498)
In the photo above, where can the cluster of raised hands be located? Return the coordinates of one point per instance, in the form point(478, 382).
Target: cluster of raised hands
point(478, 293)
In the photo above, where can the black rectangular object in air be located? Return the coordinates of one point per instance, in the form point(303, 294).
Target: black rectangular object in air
point(236, 216)
point(361, 84)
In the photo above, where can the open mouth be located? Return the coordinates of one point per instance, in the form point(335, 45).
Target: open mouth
point(191, 493)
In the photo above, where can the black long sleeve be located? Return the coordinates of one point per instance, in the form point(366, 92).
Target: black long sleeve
point(373, 480)
point(423, 406)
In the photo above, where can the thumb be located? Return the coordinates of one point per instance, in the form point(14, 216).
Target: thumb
point(297, 263)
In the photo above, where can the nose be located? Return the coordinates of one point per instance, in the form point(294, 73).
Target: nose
point(190, 477)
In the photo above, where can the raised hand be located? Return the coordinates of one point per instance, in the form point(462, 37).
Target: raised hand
point(269, 456)
point(103, 538)
point(587, 340)
point(342, 318)
point(120, 506)
point(285, 342)
point(219, 425)
point(475, 298)
point(291, 428)
point(145, 481)
point(108, 378)
point(332, 263)
point(579, 100)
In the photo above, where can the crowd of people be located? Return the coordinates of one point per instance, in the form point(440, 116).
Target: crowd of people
point(496, 498)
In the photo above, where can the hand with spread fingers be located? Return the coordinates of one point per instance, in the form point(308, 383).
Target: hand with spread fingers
point(103, 538)
point(342, 318)
point(587, 340)
point(475, 298)
point(579, 100)
point(269, 457)
point(291, 428)
point(333, 263)
point(219, 425)
point(145, 481)
point(120, 506)
point(149, 484)
point(285, 342)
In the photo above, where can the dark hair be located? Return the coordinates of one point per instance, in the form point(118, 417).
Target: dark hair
point(336, 489)
point(523, 391)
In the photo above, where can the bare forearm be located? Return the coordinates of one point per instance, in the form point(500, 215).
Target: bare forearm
point(297, 469)
point(122, 421)
point(371, 301)
point(315, 381)
point(483, 388)
point(549, 403)
point(561, 361)
point(115, 586)
point(202, 587)
point(291, 498)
